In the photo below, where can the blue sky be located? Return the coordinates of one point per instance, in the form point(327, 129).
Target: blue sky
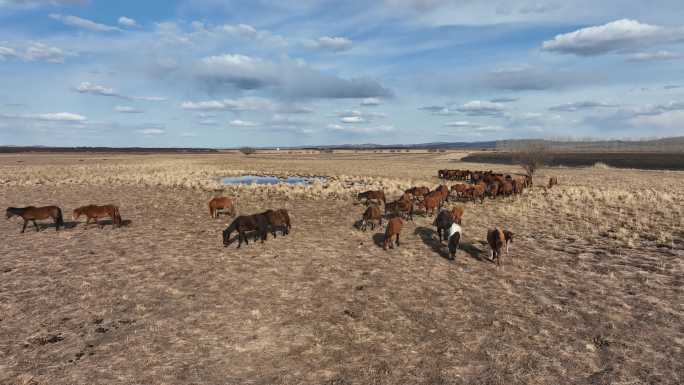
point(281, 73)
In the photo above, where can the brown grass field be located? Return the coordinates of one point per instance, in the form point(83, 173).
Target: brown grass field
point(591, 292)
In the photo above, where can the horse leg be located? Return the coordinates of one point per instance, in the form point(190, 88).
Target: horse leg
point(397, 239)
point(24, 228)
point(87, 222)
point(239, 239)
point(36, 225)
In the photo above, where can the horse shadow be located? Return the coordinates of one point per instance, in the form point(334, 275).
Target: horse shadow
point(379, 239)
point(431, 238)
point(66, 225)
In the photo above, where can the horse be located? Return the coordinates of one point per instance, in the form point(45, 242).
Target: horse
point(446, 218)
point(399, 207)
point(32, 214)
point(508, 236)
point(496, 240)
point(278, 219)
point(97, 212)
point(431, 203)
point(378, 195)
point(371, 214)
point(455, 232)
point(245, 223)
point(217, 204)
point(418, 192)
point(393, 228)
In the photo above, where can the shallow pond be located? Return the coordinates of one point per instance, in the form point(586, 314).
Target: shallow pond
point(269, 180)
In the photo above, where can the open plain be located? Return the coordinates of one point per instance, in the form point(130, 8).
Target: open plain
point(592, 291)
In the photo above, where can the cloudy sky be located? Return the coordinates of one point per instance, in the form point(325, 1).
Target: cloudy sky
point(279, 72)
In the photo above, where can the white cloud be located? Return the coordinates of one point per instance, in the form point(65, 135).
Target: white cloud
point(584, 105)
point(75, 21)
point(128, 110)
point(42, 52)
point(288, 78)
point(352, 119)
point(60, 117)
point(127, 22)
point(371, 102)
point(148, 98)
point(35, 51)
point(616, 36)
point(29, 4)
point(241, 104)
point(7, 53)
point(368, 130)
point(330, 43)
point(94, 89)
point(481, 108)
point(671, 120)
point(151, 131)
point(462, 124)
point(242, 123)
point(655, 56)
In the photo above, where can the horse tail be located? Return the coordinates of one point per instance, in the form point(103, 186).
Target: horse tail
point(59, 220)
point(117, 216)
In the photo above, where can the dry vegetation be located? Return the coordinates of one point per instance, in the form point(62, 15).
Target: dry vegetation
point(591, 293)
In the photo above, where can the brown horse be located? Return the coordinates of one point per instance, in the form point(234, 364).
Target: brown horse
point(32, 214)
point(400, 207)
point(393, 228)
point(278, 219)
point(371, 215)
point(96, 212)
point(217, 204)
point(431, 203)
point(496, 239)
point(418, 192)
point(378, 195)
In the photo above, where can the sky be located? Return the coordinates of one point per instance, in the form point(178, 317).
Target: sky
point(211, 73)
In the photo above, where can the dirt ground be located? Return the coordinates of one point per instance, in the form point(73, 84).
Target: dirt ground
point(592, 291)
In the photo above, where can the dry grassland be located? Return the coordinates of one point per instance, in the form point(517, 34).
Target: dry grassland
point(591, 293)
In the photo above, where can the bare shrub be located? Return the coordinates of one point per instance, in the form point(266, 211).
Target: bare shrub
point(247, 150)
point(532, 155)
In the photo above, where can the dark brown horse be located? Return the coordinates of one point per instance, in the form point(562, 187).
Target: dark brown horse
point(371, 215)
point(278, 219)
point(96, 212)
point(245, 223)
point(32, 214)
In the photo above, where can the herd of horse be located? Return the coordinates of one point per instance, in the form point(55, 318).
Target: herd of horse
point(92, 212)
point(478, 185)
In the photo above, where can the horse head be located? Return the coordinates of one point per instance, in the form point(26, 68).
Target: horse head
point(77, 213)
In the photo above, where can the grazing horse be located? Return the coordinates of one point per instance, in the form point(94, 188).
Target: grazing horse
point(32, 214)
point(497, 240)
point(418, 192)
point(393, 228)
point(245, 223)
point(218, 204)
point(553, 181)
point(400, 207)
point(96, 212)
point(378, 195)
point(455, 233)
point(278, 219)
point(371, 214)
